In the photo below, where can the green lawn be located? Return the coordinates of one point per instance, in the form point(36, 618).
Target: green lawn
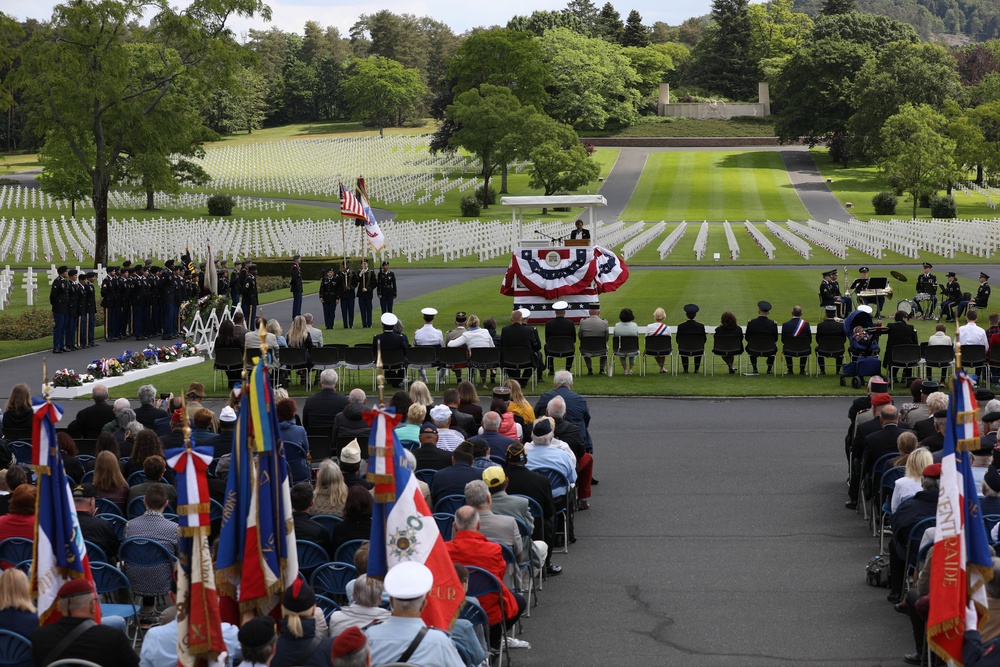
point(736, 290)
point(11, 163)
point(321, 129)
point(691, 127)
point(715, 185)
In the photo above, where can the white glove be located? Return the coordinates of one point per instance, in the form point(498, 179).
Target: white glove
point(971, 617)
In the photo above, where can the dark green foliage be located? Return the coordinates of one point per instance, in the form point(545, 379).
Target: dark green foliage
point(869, 29)
point(470, 206)
point(490, 197)
point(636, 34)
point(885, 203)
point(925, 200)
point(831, 7)
point(219, 204)
point(722, 62)
point(944, 207)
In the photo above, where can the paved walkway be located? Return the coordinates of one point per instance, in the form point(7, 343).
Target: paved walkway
point(811, 187)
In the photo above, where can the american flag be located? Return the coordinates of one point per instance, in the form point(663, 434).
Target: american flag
point(350, 206)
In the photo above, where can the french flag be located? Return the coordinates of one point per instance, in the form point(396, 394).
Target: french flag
point(403, 527)
point(59, 553)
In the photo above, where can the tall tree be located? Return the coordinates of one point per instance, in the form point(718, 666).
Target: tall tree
point(539, 21)
point(382, 91)
point(870, 29)
point(831, 7)
point(723, 60)
point(559, 163)
point(501, 57)
point(608, 24)
point(777, 30)
point(9, 30)
point(916, 153)
point(586, 11)
point(62, 174)
point(89, 88)
point(636, 34)
point(486, 117)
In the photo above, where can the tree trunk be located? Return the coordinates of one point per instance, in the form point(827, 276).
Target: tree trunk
point(486, 188)
point(916, 200)
point(150, 206)
point(503, 180)
point(72, 208)
point(979, 174)
point(100, 196)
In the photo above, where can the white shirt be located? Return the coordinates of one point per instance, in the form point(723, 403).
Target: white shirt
point(449, 439)
point(973, 334)
point(428, 335)
point(657, 329)
point(473, 338)
point(906, 487)
point(939, 338)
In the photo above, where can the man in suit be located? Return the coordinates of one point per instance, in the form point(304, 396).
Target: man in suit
point(901, 332)
point(147, 413)
point(594, 326)
point(388, 341)
point(577, 411)
point(519, 334)
point(367, 281)
point(322, 408)
point(91, 420)
point(561, 327)
point(451, 480)
point(793, 331)
point(764, 327)
point(694, 328)
point(832, 329)
point(866, 451)
point(460, 421)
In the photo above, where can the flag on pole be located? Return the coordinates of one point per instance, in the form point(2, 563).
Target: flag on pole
point(962, 564)
point(199, 627)
point(211, 275)
point(403, 527)
point(59, 554)
point(350, 207)
point(257, 556)
point(372, 232)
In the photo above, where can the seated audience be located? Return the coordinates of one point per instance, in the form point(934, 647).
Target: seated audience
point(331, 491)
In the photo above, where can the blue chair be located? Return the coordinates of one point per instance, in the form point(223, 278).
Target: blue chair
point(25, 566)
point(142, 552)
point(88, 477)
point(95, 554)
point(529, 563)
point(117, 522)
point(298, 461)
point(85, 459)
point(449, 504)
point(425, 475)
point(482, 582)
point(564, 503)
point(16, 550)
point(15, 650)
point(912, 542)
point(446, 525)
point(514, 568)
point(883, 463)
point(215, 510)
point(412, 445)
point(105, 506)
point(328, 521)
point(499, 460)
point(331, 579)
point(989, 521)
point(109, 580)
point(138, 477)
point(345, 552)
point(887, 485)
point(21, 451)
point(73, 662)
point(137, 507)
point(311, 556)
point(327, 605)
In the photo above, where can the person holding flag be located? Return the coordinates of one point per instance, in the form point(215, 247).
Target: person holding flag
point(962, 562)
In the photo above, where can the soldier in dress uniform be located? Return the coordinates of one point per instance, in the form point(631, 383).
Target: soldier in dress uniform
point(140, 304)
point(236, 283)
point(73, 310)
point(348, 286)
point(89, 310)
point(860, 284)
point(117, 303)
point(926, 291)
point(296, 285)
point(249, 296)
point(952, 296)
point(386, 288)
point(167, 289)
point(107, 289)
point(366, 293)
point(128, 277)
point(154, 319)
point(222, 277)
point(59, 299)
point(829, 294)
point(982, 298)
point(329, 291)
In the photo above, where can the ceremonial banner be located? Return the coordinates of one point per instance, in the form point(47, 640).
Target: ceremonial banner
point(403, 527)
point(372, 232)
point(211, 275)
point(961, 563)
point(59, 554)
point(199, 628)
point(350, 207)
point(611, 271)
point(557, 273)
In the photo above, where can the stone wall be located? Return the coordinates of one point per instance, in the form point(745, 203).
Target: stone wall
point(680, 142)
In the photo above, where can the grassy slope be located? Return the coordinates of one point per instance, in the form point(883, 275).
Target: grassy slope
point(691, 127)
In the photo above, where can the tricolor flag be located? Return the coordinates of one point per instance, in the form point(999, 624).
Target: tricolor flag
point(211, 275)
point(199, 628)
point(372, 232)
point(59, 554)
point(403, 527)
point(257, 557)
point(962, 563)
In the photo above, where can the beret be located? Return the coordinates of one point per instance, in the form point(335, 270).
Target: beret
point(542, 427)
point(257, 632)
point(299, 597)
point(881, 399)
point(933, 470)
point(75, 587)
point(347, 642)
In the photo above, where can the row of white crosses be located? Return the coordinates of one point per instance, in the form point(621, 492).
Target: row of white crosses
point(762, 241)
point(18, 197)
point(668, 244)
point(971, 188)
point(854, 235)
point(701, 241)
point(818, 238)
point(617, 233)
point(734, 246)
point(789, 239)
point(642, 240)
point(6, 286)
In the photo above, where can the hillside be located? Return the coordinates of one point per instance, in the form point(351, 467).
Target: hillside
point(977, 20)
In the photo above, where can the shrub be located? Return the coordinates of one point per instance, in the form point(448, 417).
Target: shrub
point(272, 283)
point(944, 207)
point(26, 325)
point(470, 206)
point(490, 198)
point(885, 203)
point(221, 205)
point(925, 200)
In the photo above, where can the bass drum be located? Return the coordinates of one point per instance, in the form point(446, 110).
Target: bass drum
point(907, 306)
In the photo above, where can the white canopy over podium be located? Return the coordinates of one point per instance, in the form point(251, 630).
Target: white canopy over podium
point(518, 204)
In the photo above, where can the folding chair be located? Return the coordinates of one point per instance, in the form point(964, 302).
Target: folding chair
point(328, 521)
point(762, 345)
point(521, 359)
point(905, 357)
point(449, 504)
point(86, 446)
point(564, 508)
point(994, 363)
point(886, 486)
point(95, 554)
point(422, 358)
point(331, 579)
point(227, 359)
point(311, 556)
point(136, 478)
point(592, 347)
point(16, 550)
point(529, 563)
point(295, 359)
point(393, 360)
point(482, 582)
point(323, 358)
point(452, 359)
point(728, 345)
point(425, 475)
point(940, 356)
point(692, 346)
point(558, 347)
point(117, 523)
point(514, 570)
point(658, 346)
point(108, 580)
point(327, 605)
point(73, 662)
point(483, 359)
point(360, 358)
point(14, 649)
point(796, 348)
point(913, 545)
point(625, 347)
point(320, 448)
point(345, 552)
point(446, 525)
point(974, 357)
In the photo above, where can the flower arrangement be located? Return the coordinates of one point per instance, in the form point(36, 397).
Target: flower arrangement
point(186, 349)
point(65, 377)
point(204, 305)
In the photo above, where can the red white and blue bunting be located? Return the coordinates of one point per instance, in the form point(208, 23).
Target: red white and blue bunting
point(555, 273)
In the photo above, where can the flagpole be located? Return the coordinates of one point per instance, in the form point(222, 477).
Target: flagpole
point(380, 375)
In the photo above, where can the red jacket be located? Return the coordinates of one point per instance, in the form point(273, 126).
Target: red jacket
point(16, 525)
point(470, 547)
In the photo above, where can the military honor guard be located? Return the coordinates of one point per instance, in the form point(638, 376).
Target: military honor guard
point(951, 295)
point(348, 287)
point(926, 292)
point(366, 293)
point(248, 297)
point(329, 291)
point(982, 298)
point(168, 311)
point(89, 310)
point(386, 288)
point(829, 294)
point(73, 311)
point(236, 283)
point(296, 271)
point(59, 300)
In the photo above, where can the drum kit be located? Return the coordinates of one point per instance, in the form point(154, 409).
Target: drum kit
point(909, 306)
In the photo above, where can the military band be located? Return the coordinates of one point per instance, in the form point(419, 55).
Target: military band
point(951, 295)
point(982, 298)
point(927, 286)
point(829, 294)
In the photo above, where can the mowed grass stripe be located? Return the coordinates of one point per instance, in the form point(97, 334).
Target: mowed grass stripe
point(715, 198)
point(681, 165)
point(750, 167)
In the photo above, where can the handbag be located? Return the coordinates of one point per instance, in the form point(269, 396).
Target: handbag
point(877, 572)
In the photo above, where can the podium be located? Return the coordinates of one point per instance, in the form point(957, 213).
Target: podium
point(576, 243)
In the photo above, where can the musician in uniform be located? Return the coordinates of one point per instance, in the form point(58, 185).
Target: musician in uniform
point(73, 310)
point(296, 270)
point(579, 232)
point(366, 293)
point(89, 310)
point(348, 283)
point(386, 288)
point(859, 285)
point(248, 298)
point(982, 299)
point(59, 299)
point(328, 293)
point(951, 293)
point(829, 294)
point(926, 291)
